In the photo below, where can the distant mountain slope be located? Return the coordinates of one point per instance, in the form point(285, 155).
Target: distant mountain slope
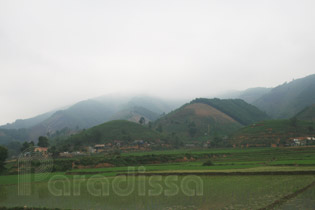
point(272, 132)
point(238, 109)
point(110, 131)
point(9, 135)
point(155, 105)
point(252, 94)
point(307, 114)
point(84, 114)
point(27, 123)
point(197, 120)
point(134, 114)
point(286, 100)
point(92, 112)
point(249, 95)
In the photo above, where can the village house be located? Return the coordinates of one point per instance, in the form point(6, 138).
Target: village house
point(43, 150)
point(301, 141)
point(190, 145)
point(298, 142)
point(99, 147)
point(207, 144)
point(90, 149)
point(76, 153)
point(138, 141)
point(65, 154)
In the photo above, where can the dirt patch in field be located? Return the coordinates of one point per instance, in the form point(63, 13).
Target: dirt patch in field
point(103, 165)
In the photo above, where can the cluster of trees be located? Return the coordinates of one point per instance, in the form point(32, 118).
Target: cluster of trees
point(142, 121)
point(42, 142)
point(16, 147)
point(116, 159)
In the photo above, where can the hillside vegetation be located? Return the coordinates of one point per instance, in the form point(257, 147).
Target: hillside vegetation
point(110, 131)
point(273, 132)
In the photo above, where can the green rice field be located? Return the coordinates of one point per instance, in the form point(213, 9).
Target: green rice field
point(168, 186)
point(218, 192)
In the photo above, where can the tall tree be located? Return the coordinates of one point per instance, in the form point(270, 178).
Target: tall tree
point(43, 141)
point(54, 152)
point(142, 121)
point(25, 146)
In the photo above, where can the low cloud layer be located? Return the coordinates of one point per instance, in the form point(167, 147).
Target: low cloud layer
point(54, 53)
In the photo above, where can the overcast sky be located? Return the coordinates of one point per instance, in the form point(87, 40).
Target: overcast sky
point(54, 53)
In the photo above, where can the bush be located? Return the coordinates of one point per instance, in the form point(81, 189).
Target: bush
point(208, 163)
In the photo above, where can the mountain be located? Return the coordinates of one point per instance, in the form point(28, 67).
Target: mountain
point(286, 100)
point(307, 114)
point(272, 132)
point(109, 132)
point(204, 118)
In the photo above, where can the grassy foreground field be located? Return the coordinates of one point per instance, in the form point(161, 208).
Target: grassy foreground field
point(244, 191)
